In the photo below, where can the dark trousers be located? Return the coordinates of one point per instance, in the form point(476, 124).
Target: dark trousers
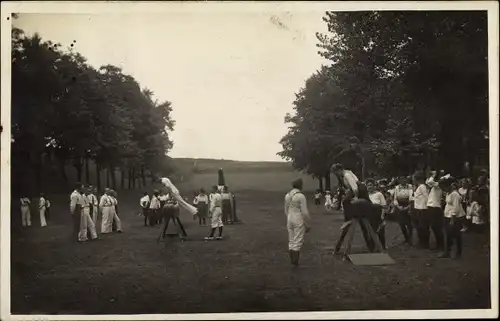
point(145, 213)
point(113, 226)
point(368, 240)
point(202, 212)
point(453, 234)
point(161, 213)
point(340, 200)
point(153, 216)
point(431, 219)
point(346, 204)
point(405, 223)
point(227, 212)
point(317, 201)
point(375, 222)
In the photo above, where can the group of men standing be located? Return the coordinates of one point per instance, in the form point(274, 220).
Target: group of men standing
point(84, 209)
point(163, 206)
point(43, 209)
point(434, 203)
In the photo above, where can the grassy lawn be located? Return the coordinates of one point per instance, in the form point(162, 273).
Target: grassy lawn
point(249, 271)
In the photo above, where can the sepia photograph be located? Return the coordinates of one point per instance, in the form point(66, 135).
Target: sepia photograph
point(212, 159)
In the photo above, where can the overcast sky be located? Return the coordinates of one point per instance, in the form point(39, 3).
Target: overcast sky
point(231, 78)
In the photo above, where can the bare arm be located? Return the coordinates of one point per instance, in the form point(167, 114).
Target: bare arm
point(72, 204)
point(287, 203)
point(455, 203)
point(352, 184)
point(304, 210)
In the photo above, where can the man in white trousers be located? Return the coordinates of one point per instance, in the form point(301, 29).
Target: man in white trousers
point(106, 205)
point(86, 221)
point(25, 211)
point(42, 207)
point(298, 220)
point(93, 204)
point(114, 211)
point(75, 206)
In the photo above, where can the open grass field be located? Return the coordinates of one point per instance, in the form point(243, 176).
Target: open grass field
point(249, 271)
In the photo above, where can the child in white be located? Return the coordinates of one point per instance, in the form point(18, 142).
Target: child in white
point(328, 201)
point(474, 213)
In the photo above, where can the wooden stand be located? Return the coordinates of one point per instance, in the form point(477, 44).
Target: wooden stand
point(379, 257)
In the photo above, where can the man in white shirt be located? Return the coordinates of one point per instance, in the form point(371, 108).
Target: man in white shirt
point(106, 205)
point(350, 183)
point(144, 202)
point(93, 204)
point(42, 207)
point(380, 204)
point(420, 198)
point(25, 211)
point(216, 211)
point(76, 204)
point(453, 213)
point(163, 198)
point(154, 208)
point(434, 213)
point(86, 221)
point(403, 195)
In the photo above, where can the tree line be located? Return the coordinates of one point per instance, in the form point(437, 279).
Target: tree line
point(66, 112)
point(401, 91)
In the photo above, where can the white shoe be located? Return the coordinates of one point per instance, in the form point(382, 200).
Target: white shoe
point(208, 238)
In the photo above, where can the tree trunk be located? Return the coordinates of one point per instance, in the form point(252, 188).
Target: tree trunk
point(133, 178)
point(108, 178)
point(363, 167)
point(79, 167)
point(143, 175)
point(38, 172)
point(320, 180)
point(328, 185)
point(130, 178)
point(122, 172)
point(62, 168)
point(113, 176)
point(49, 156)
point(98, 175)
point(87, 171)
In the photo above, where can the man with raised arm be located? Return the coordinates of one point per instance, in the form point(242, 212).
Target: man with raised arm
point(174, 192)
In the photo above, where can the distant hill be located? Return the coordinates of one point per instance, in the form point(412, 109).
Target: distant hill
point(189, 173)
point(204, 165)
